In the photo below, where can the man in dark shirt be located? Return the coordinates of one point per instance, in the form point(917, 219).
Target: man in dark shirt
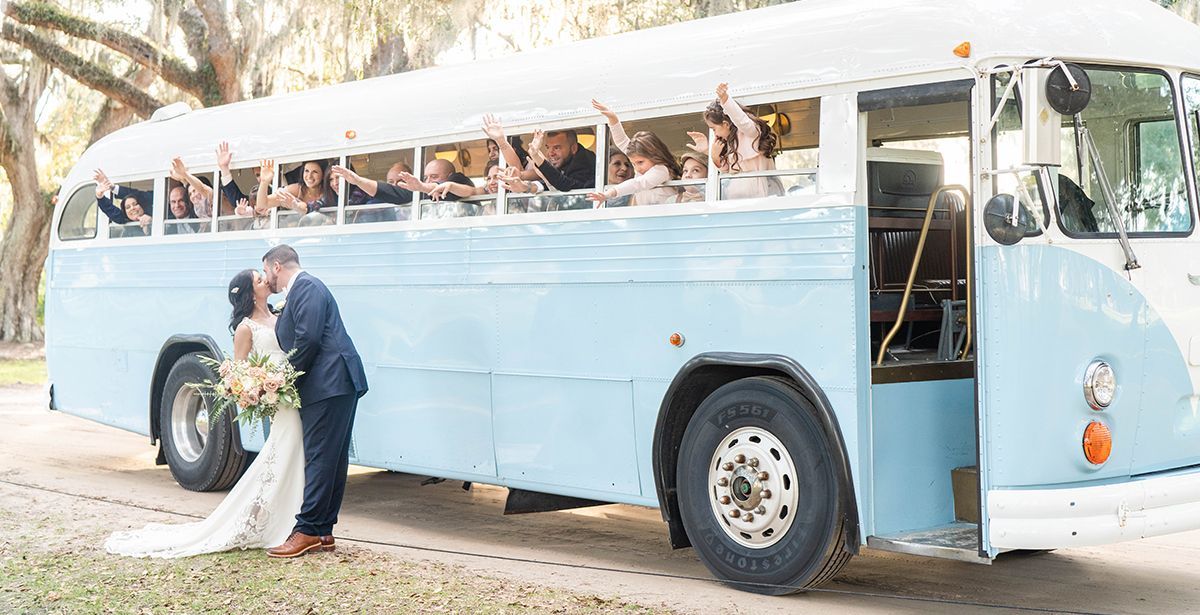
point(565, 164)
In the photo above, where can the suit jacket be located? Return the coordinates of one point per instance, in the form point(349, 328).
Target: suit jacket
point(579, 172)
point(311, 325)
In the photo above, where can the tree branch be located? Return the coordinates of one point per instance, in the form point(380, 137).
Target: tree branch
point(40, 14)
point(226, 62)
point(88, 73)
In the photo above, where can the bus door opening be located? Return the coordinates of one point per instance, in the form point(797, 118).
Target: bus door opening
point(922, 357)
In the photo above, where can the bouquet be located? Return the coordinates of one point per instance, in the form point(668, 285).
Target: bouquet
point(255, 387)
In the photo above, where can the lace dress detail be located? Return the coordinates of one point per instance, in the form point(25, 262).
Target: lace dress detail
point(259, 511)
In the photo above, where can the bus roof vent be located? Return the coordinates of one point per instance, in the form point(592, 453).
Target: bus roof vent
point(170, 111)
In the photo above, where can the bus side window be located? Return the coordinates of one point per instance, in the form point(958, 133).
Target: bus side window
point(575, 173)
point(462, 168)
point(189, 209)
point(319, 201)
point(244, 185)
point(795, 125)
point(391, 201)
point(133, 211)
point(78, 219)
point(690, 172)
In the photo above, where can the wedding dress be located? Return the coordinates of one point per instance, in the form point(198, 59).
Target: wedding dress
point(259, 511)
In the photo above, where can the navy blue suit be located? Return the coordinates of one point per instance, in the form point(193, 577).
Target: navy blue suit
point(333, 380)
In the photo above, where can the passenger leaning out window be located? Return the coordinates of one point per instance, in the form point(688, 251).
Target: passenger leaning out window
point(134, 204)
point(742, 143)
point(652, 162)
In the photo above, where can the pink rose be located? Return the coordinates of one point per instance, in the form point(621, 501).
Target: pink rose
point(273, 383)
point(271, 398)
point(249, 398)
point(258, 373)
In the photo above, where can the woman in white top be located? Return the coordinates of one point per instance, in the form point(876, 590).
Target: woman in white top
point(652, 162)
point(744, 143)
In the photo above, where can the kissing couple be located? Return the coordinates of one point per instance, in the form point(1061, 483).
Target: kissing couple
point(288, 499)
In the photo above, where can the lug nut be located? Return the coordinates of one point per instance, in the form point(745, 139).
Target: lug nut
point(754, 462)
point(749, 517)
point(724, 499)
point(766, 494)
point(735, 513)
point(728, 467)
point(721, 482)
point(762, 476)
point(740, 458)
point(762, 510)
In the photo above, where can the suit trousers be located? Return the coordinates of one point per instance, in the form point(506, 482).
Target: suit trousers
point(327, 425)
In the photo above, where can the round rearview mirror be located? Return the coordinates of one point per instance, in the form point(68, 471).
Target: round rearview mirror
point(998, 220)
point(1064, 98)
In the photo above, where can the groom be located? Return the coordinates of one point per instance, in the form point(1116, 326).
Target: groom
point(310, 327)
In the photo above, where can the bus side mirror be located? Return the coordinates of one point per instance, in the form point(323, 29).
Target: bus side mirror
point(1041, 123)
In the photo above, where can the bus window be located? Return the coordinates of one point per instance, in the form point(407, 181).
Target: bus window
point(672, 131)
point(189, 209)
point(570, 152)
point(461, 168)
point(133, 213)
point(310, 180)
point(79, 215)
point(242, 185)
point(391, 201)
point(1191, 102)
point(1131, 121)
point(796, 127)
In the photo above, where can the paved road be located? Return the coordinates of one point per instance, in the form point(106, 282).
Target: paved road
point(60, 452)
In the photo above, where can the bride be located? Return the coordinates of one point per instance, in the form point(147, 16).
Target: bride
point(260, 510)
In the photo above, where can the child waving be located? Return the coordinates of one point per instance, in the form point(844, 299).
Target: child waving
point(652, 162)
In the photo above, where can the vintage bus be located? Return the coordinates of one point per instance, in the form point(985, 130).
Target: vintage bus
point(963, 320)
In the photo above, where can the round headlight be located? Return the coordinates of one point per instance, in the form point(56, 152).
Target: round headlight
point(1099, 385)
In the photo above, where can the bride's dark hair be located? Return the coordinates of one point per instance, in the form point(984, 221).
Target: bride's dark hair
point(241, 297)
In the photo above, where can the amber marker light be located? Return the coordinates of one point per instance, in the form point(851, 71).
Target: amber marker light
point(1097, 442)
point(963, 50)
point(351, 134)
point(676, 339)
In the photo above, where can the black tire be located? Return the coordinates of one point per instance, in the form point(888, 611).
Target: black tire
point(209, 462)
point(809, 551)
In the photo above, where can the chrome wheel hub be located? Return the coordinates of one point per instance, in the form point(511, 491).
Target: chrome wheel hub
point(189, 423)
point(752, 486)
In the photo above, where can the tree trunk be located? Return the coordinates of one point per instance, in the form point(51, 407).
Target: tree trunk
point(22, 255)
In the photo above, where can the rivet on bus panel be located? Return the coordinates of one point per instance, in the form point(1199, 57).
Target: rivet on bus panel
point(676, 339)
point(963, 50)
point(1097, 442)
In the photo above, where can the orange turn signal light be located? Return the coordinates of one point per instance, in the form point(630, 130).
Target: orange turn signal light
point(351, 134)
point(963, 50)
point(1097, 442)
point(676, 339)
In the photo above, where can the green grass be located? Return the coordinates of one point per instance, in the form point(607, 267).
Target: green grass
point(352, 580)
point(31, 371)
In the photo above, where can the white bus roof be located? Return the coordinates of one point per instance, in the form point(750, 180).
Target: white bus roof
point(806, 43)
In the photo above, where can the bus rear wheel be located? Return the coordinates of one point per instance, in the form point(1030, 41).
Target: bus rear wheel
point(758, 494)
point(201, 452)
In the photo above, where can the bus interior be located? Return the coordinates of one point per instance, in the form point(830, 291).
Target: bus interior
point(923, 421)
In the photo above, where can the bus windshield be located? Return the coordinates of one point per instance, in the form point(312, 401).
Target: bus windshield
point(1138, 153)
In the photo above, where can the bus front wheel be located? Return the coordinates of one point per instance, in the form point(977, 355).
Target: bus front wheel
point(758, 494)
point(201, 452)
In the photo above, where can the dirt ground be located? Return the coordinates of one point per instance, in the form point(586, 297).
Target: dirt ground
point(12, 350)
point(567, 561)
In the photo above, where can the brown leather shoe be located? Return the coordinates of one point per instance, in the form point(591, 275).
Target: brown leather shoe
point(296, 545)
point(327, 543)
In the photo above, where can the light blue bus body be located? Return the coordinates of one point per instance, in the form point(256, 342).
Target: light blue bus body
point(533, 350)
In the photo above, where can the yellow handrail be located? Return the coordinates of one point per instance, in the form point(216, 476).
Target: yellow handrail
point(912, 274)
